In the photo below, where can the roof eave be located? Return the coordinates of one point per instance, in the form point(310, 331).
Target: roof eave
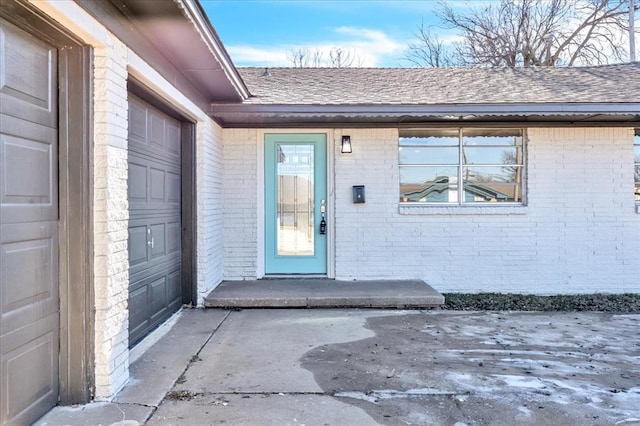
point(248, 114)
point(194, 11)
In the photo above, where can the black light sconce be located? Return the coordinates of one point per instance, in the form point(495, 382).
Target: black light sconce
point(346, 145)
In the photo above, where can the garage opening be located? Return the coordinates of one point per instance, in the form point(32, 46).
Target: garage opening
point(159, 283)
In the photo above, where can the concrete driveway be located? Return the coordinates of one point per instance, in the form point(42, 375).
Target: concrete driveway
point(367, 367)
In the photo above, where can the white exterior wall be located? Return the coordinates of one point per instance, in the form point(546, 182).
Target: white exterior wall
point(240, 203)
point(113, 63)
point(209, 194)
point(111, 219)
point(579, 232)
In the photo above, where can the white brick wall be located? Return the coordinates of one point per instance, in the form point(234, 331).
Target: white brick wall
point(579, 232)
point(209, 174)
point(111, 215)
point(240, 204)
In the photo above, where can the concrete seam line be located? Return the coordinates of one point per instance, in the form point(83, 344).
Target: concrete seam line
point(197, 354)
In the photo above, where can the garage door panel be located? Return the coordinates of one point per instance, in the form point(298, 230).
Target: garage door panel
point(173, 192)
point(156, 124)
point(152, 298)
point(157, 178)
point(34, 354)
point(140, 273)
point(137, 122)
point(138, 312)
point(158, 296)
point(29, 190)
point(153, 131)
point(153, 185)
point(158, 248)
point(28, 353)
point(29, 270)
point(29, 280)
point(174, 234)
point(31, 160)
point(137, 182)
point(137, 245)
point(27, 77)
point(166, 235)
point(154, 218)
point(175, 294)
point(172, 142)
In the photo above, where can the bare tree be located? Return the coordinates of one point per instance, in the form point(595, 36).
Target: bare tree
point(527, 33)
point(429, 50)
point(304, 57)
point(338, 58)
point(341, 58)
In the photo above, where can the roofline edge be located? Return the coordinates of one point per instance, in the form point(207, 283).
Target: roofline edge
point(608, 108)
point(204, 26)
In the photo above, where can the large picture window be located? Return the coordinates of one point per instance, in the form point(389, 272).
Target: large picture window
point(636, 170)
point(462, 165)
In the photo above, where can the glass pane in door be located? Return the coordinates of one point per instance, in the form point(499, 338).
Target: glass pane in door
point(294, 199)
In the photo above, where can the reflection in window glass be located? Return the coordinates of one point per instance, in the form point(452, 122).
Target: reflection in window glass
point(442, 155)
point(461, 166)
point(428, 184)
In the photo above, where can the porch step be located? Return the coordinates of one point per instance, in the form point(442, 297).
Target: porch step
point(323, 293)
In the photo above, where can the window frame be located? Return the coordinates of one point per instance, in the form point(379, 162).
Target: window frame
point(461, 165)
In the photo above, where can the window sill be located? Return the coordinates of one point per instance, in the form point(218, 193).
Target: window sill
point(457, 210)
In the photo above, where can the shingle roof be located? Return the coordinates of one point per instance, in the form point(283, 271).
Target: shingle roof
point(442, 86)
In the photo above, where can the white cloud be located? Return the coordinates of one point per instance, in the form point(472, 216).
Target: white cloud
point(259, 56)
point(372, 48)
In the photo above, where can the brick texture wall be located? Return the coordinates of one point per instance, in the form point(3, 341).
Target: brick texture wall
point(579, 232)
point(210, 207)
point(240, 204)
point(111, 215)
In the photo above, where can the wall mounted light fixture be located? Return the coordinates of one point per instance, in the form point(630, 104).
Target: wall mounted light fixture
point(346, 144)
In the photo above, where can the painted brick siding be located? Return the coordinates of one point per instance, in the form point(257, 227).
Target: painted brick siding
point(210, 204)
point(111, 215)
point(240, 204)
point(578, 234)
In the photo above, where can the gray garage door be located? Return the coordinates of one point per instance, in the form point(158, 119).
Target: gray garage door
point(29, 227)
point(154, 218)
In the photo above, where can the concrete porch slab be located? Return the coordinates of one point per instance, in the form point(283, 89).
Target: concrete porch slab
point(323, 293)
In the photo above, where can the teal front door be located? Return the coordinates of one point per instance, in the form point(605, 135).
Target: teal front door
point(295, 203)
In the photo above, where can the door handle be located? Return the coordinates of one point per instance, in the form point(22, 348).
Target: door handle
point(150, 238)
point(323, 222)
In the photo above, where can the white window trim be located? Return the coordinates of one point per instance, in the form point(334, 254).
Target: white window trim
point(462, 208)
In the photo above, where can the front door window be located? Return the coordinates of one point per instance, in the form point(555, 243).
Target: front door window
point(295, 194)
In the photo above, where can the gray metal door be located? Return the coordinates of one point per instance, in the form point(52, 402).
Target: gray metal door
point(155, 236)
point(29, 304)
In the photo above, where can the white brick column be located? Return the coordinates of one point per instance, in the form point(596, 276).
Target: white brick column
point(240, 204)
point(209, 193)
point(111, 215)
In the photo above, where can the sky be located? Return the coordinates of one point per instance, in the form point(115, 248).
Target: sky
point(263, 33)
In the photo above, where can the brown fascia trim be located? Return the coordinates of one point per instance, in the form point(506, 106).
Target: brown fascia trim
point(421, 124)
point(245, 115)
point(196, 14)
point(452, 111)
